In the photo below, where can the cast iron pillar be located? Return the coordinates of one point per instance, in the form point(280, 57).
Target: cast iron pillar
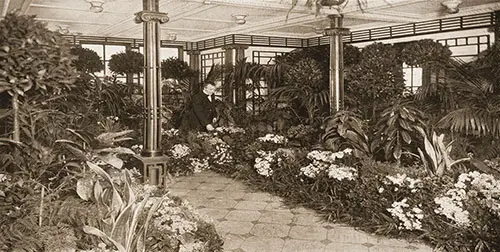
point(194, 64)
point(336, 31)
point(153, 163)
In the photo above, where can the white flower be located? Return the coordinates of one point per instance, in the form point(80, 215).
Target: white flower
point(199, 165)
point(170, 133)
point(230, 130)
point(271, 138)
point(342, 172)
point(263, 163)
point(452, 209)
point(180, 150)
point(381, 190)
point(409, 218)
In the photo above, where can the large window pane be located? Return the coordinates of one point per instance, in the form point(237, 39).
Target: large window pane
point(166, 53)
point(113, 49)
point(99, 49)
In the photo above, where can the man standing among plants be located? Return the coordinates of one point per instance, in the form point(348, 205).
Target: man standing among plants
point(200, 112)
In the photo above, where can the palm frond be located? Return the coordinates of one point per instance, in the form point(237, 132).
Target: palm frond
point(472, 121)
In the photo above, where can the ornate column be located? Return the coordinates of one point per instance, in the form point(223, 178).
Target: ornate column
point(194, 63)
point(336, 31)
point(154, 164)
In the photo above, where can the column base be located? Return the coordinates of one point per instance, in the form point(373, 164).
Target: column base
point(154, 170)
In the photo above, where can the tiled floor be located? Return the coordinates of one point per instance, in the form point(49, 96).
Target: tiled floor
point(258, 222)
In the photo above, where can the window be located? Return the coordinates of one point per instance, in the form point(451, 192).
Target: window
point(413, 77)
point(260, 91)
point(207, 61)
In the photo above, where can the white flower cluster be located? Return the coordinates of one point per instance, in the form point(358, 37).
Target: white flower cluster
point(199, 165)
point(325, 161)
point(451, 206)
point(180, 151)
point(170, 218)
point(263, 162)
point(342, 172)
point(230, 130)
point(410, 219)
point(483, 186)
point(170, 133)
point(271, 138)
point(402, 180)
point(222, 153)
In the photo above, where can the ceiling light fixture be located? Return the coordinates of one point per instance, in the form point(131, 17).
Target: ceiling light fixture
point(452, 6)
point(239, 18)
point(63, 29)
point(96, 5)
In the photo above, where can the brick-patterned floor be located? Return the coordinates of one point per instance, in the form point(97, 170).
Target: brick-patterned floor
point(259, 222)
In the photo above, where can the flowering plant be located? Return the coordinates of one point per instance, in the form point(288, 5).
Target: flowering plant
point(326, 161)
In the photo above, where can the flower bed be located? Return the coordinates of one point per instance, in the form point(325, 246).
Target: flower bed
point(454, 212)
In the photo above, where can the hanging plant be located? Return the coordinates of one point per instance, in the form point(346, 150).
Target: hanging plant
point(88, 60)
point(423, 51)
point(129, 62)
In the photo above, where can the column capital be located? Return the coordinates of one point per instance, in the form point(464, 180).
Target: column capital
point(193, 52)
point(337, 31)
point(151, 16)
point(234, 46)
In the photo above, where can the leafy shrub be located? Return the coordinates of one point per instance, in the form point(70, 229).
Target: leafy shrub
point(418, 53)
point(399, 128)
point(376, 82)
point(129, 62)
point(88, 61)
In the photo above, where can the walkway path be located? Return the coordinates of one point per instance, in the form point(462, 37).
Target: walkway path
point(259, 222)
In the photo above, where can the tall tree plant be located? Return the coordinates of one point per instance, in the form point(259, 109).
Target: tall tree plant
point(32, 58)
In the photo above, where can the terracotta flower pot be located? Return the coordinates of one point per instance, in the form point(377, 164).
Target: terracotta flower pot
point(331, 2)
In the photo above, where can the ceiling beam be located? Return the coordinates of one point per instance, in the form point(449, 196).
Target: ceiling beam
point(384, 17)
point(185, 29)
point(208, 20)
point(56, 7)
point(71, 21)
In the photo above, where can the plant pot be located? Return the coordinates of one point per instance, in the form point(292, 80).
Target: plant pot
point(330, 3)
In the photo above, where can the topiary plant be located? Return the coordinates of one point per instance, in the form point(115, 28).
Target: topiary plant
point(88, 60)
point(129, 62)
point(424, 51)
point(32, 58)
